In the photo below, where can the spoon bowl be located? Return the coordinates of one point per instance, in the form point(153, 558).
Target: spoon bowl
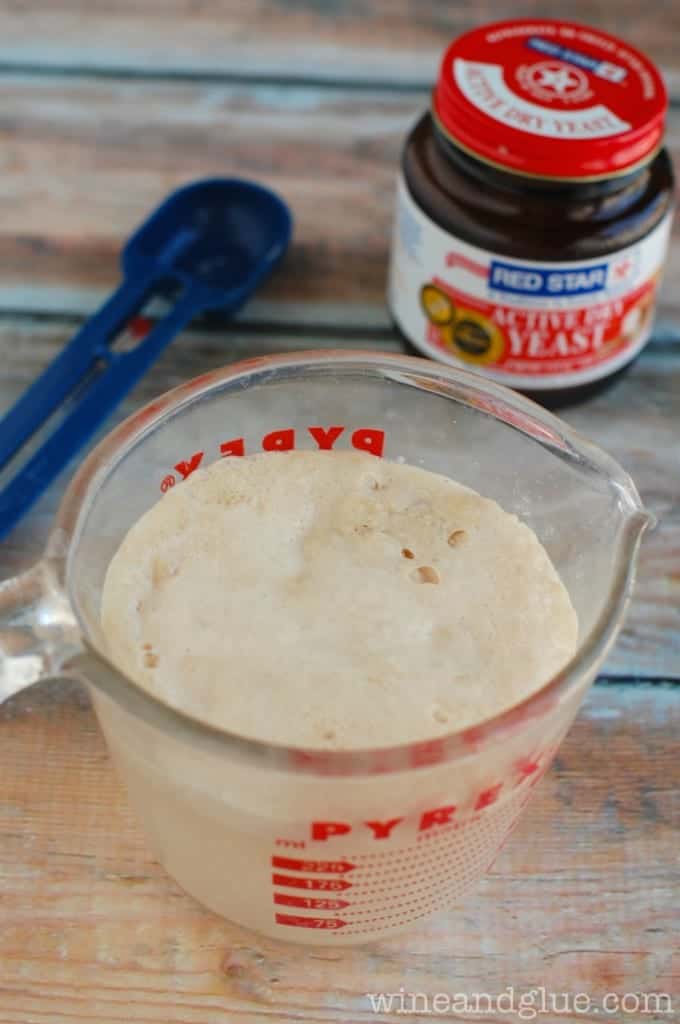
point(224, 235)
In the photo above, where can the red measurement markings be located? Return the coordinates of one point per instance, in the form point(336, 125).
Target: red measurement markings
point(298, 921)
point(328, 884)
point(488, 796)
point(525, 768)
point(308, 902)
point(327, 867)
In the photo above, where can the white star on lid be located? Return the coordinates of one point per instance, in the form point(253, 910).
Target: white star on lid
point(560, 80)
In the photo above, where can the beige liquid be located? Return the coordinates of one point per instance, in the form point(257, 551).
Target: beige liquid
point(334, 600)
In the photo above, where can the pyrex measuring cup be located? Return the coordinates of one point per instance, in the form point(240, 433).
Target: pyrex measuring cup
point(315, 846)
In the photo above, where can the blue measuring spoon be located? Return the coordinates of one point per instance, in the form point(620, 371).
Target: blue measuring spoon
point(214, 242)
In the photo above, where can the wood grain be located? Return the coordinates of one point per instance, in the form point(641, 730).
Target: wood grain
point(104, 107)
point(637, 421)
point(396, 41)
point(91, 929)
point(85, 160)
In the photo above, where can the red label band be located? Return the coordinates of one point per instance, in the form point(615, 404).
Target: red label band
point(539, 341)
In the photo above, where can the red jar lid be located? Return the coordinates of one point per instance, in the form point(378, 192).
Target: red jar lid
point(550, 98)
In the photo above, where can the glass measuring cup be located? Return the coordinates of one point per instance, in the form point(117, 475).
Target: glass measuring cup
point(309, 845)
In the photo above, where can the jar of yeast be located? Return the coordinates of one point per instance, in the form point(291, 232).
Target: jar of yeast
point(534, 208)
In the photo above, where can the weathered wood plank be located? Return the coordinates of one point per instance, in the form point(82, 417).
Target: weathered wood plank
point(386, 40)
point(637, 421)
point(85, 160)
point(582, 899)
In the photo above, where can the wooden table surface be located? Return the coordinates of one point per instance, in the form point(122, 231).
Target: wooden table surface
point(104, 107)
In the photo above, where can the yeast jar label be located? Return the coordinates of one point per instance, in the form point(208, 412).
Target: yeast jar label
point(527, 323)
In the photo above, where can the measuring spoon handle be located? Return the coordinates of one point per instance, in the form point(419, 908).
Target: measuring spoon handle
point(64, 373)
point(101, 397)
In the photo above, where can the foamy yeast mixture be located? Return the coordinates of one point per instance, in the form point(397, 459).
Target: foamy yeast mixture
point(333, 599)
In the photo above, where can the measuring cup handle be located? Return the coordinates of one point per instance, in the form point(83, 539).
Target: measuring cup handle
point(38, 632)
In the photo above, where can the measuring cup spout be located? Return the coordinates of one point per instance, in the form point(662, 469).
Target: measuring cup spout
point(642, 519)
point(635, 517)
point(38, 632)
point(639, 520)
